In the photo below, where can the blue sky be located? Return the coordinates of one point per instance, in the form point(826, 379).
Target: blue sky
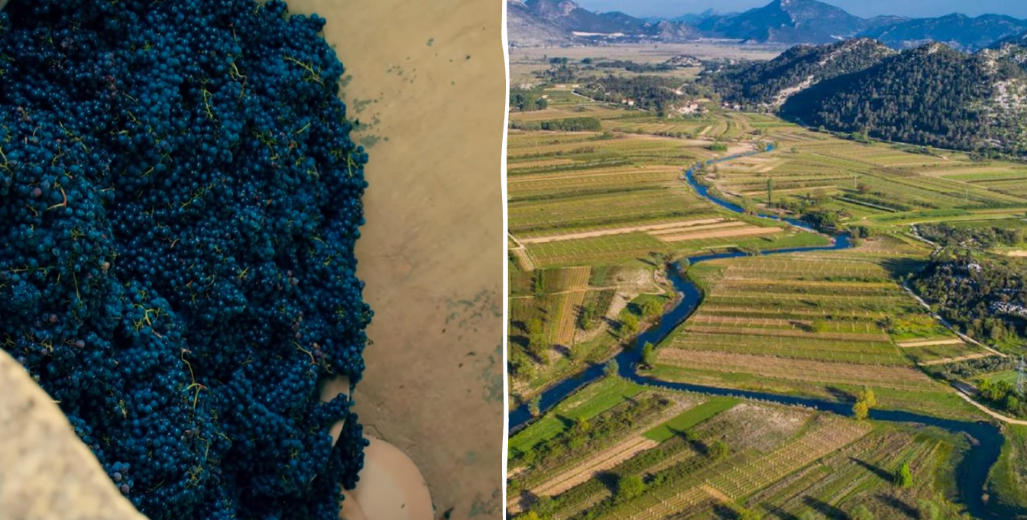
point(865, 8)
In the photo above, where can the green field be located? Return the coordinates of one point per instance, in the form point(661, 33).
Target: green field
point(585, 404)
point(740, 455)
point(690, 418)
point(815, 324)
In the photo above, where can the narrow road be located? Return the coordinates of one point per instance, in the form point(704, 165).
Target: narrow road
point(961, 392)
point(523, 257)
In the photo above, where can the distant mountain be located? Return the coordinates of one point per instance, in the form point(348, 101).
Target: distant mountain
point(956, 30)
point(771, 83)
point(569, 16)
point(524, 29)
point(559, 22)
point(1016, 39)
point(786, 21)
point(932, 95)
point(695, 19)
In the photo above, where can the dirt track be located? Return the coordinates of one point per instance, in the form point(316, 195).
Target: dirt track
point(725, 233)
point(930, 343)
point(955, 359)
point(617, 231)
point(899, 377)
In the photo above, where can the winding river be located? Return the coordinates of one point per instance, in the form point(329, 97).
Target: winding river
point(985, 439)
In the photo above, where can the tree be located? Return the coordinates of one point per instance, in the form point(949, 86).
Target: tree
point(530, 515)
point(860, 411)
point(649, 354)
point(582, 425)
point(529, 457)
point(587, 319)
point(520, 366)
point(747, 205)
point(904, 476)
point(630, 487)
point(534, 327)
point(629, 325)
point(770, 190)
point(747, 514)
point(868, 397)
point(862, 513)
point(611, 368)
point(539, 282)
point(535, 406)
point(544, 506)
point(864, 403)
point(652, 309)
point(537, 343)
point(718, 450)
point(514, 487)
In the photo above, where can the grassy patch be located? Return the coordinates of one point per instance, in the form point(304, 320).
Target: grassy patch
point(585, 404)
point(690, 418)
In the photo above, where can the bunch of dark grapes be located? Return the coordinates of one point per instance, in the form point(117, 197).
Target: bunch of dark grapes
point(179, 201)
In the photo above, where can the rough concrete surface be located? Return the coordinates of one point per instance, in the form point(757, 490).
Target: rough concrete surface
point(46, 473)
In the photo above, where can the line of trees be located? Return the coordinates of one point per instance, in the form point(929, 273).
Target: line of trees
point(571, 124)
point(527, 100)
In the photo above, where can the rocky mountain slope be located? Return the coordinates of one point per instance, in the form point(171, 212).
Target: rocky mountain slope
point(956, 30)
point(557, 22)
point(771, 83)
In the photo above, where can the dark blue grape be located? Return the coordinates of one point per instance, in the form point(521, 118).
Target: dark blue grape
point(179, 202)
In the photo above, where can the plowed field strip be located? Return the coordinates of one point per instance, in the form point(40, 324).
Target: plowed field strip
point(930, 343)
point(568, 317)
point(797, 369)
point(785, 333)
point(589, 468)
point(956, 359)
point(616, 231)
point(693, 229)
point(726, 233)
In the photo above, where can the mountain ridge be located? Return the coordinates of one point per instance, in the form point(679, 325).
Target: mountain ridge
point(790, 22)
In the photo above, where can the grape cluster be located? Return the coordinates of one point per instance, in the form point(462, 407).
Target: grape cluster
point(179, 202)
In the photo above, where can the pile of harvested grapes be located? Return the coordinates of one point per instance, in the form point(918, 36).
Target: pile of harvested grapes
point(179, 201)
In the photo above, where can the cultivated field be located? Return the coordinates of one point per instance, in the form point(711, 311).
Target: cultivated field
point(878, 185)
point(611, 201)
point(594, 216)
point(722, 455)
point(816, 324)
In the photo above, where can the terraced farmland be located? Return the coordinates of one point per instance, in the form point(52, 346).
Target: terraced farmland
point(594, 218)
point(878, 182)
point(613, 198)
point(725, 453)
point(813, 324)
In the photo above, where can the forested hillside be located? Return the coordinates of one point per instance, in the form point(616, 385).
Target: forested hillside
point(932, 95)
point(772, 82)
point(985, 297)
